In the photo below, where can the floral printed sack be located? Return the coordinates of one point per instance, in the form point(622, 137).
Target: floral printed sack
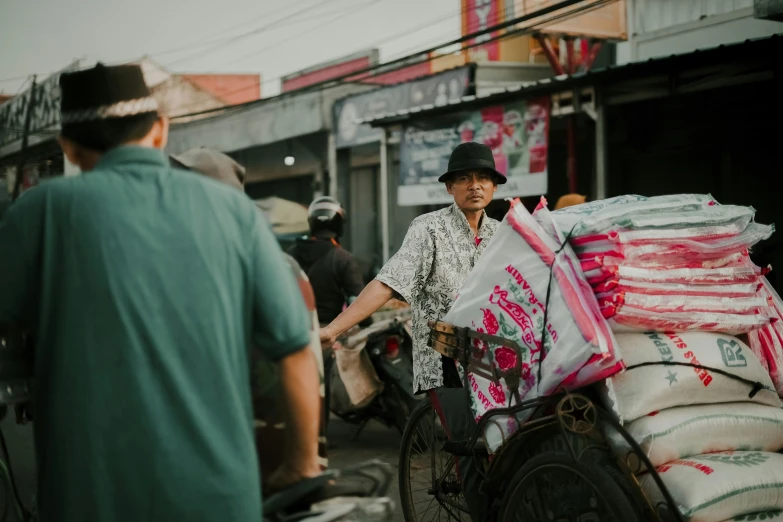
point(527, 287)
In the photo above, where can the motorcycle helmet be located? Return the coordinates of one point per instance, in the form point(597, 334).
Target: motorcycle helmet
point(326, 213)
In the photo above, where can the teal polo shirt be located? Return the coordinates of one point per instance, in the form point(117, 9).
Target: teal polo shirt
point(143, 286)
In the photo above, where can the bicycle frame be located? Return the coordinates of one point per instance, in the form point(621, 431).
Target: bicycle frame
point(568, 411)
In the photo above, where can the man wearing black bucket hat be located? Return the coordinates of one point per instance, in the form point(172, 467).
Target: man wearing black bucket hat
point(436, 256)
point(143, 286)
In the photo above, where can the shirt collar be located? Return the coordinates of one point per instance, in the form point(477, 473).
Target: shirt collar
point(132, 154)
point(465, 226)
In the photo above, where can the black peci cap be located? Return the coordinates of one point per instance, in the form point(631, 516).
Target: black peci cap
point(104, 92)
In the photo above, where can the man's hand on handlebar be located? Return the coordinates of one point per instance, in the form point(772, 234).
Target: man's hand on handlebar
point(374, 295)
point(327, 338)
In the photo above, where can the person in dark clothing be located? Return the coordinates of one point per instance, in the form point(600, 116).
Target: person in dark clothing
point(332, 270)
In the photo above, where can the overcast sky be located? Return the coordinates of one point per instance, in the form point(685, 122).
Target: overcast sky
point(41, 36)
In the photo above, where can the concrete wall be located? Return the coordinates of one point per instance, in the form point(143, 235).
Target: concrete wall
point(269, 121)
point(231, 88)
point(178, 95)
point(665, 27)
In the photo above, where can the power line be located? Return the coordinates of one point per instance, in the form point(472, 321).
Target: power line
point(374, 44)
point(249, 33)
point(387, 39)
point(199, 43)
point(409, 59)
point(21, 87)
point(261, 51)
point(16, 78)
point(377, 43)
point(212, 37)
point(299, 36)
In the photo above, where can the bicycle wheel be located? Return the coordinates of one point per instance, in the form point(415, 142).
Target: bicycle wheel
point(553, 486)
point(426, 471)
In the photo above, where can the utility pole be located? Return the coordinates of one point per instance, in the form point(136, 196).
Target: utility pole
point(25, 133)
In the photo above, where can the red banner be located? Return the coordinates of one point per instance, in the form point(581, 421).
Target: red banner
point(478, 15)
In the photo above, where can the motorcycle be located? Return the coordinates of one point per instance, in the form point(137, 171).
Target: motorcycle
point(336, 495)
point(370, 374)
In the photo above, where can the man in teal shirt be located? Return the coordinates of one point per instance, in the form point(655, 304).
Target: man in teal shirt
point(143, 287)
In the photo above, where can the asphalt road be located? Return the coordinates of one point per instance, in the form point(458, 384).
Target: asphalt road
point(375, 442)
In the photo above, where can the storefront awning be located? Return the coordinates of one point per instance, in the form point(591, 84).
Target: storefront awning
point(722, 66)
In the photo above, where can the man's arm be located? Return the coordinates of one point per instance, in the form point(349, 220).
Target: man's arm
point(281, 330)
point(404, 274)
point(300, 382)
point(374, 296)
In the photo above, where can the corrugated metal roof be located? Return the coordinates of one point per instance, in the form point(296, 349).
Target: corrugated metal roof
point(698, 58)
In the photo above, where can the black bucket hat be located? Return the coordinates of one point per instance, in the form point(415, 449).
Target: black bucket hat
point(472, 156)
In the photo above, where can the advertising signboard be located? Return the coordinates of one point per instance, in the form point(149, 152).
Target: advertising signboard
point(438, 89)
point(517, 133)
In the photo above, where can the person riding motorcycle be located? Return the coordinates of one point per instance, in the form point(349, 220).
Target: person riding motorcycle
point(332, 270)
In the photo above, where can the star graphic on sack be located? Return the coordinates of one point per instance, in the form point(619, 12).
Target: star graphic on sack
point(672, 377)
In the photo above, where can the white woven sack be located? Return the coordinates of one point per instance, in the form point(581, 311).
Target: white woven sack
point(720, 486)
point(597, 216)
point(640, 391)
point(693, 430)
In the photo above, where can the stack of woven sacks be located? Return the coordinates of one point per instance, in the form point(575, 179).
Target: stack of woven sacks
point(703, 402)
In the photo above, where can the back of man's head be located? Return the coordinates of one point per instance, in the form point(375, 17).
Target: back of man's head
point(104, 108)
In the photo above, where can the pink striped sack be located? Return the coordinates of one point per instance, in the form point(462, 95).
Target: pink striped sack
point(767, 343)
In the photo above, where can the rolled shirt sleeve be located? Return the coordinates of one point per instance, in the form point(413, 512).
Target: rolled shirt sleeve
point(281, 321)
point(407, 271)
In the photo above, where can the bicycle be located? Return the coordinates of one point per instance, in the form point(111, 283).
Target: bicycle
point(556, 464)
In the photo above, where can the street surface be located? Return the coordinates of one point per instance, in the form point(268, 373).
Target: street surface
point(375, 442)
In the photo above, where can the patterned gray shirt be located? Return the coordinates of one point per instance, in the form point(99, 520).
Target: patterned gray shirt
point(436, 256)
